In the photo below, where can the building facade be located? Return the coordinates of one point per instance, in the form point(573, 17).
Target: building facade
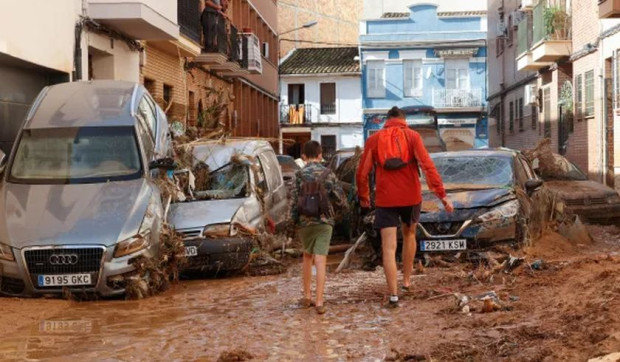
point(553, 68)
point(433, 56)
point(321, 99)
point(337, 23)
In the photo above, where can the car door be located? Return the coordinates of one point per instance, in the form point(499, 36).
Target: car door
point(276, 197)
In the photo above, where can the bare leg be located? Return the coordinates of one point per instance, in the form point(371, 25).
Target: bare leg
point(388, 243)
point(307, 275)
point(320, 262)
point(409, 248)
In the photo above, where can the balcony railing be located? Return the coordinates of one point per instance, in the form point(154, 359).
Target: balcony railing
point(189, 19)
point(523, 36)
point(551, 22)
point(457, 98)
point(295, 113)
point(328, 109)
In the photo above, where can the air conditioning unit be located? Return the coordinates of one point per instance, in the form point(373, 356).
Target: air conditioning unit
point(530, 95)
point(501, 31)
point(527, 4)
point(252, 58)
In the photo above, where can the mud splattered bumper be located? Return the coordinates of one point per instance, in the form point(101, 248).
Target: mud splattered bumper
point(598, 214)
point(224, 254)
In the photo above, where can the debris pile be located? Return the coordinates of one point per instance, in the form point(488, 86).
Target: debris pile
point(484, 303)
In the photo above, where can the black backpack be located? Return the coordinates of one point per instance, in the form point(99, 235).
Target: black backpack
point(313, 200)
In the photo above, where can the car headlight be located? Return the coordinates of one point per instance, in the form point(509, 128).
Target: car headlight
point(500, 215)
point(613, 199)
point(141, 240)
point(6, 253)
point(220, 230)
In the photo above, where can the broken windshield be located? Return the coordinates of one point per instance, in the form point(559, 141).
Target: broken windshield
point(473, 172)
point(228, 182)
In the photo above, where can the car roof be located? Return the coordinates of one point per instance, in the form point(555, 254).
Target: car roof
point(218, 153)
point(484, 152)
point(83, 104)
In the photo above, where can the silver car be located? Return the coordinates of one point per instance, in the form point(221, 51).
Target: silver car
point(77, 203)
point(246, 194)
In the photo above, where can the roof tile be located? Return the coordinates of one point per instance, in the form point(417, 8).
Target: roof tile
point(321, 61)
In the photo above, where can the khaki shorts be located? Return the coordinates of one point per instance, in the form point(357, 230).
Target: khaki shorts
point(316, 238)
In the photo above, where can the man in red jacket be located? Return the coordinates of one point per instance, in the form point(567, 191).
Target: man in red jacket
point(398, 195)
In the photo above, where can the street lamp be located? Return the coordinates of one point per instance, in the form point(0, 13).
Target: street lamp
point(305, 26)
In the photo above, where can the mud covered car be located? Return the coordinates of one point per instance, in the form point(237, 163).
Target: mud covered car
point(244, 194)
point(592, 201)
point(496, 201)
point(77, 200)
point(289, 167)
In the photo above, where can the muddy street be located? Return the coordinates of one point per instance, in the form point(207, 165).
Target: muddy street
point(562, 309)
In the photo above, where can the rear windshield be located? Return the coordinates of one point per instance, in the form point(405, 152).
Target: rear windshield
point(76, 155)
point(420, 119)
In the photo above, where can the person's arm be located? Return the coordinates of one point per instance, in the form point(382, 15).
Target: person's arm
point(433, 179)
point(363, 171)
point(212, 5)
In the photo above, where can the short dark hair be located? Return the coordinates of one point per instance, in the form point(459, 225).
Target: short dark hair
point(396, 112)
point(312, 149)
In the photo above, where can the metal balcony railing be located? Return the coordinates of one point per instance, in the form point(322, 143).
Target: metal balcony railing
point(551, 21)
point(189, 18)
point(295, 113)
point(457, 98)
point(328, 109)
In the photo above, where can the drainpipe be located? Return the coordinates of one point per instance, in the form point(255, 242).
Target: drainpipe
point(603, 100)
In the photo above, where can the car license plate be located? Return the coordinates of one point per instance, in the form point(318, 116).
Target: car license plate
point(191, 251)
point(64, 280)
point(443, 245)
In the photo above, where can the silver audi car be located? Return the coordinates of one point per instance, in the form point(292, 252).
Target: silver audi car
point(77, 202)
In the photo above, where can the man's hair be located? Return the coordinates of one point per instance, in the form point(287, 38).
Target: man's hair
point(312, 149)
point(396, 112)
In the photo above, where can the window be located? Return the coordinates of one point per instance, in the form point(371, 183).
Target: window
point(617, 79)
point(412, 70)
point(269, 162)
point(511, 118)
point(167, 94)
point(579, 96)
point(520, 114)
point(500, 118)
point(328, 145)
point(328, 98)
point(510, 31)
point(499, 46)
point(148, 143)
point(589, 90)
point(191, 106)
point(375, 79)
point(457, 74)
point(265, 50)
point(296, 94)
point(149, 84)
point(534, 117)
point(147, 111)
point(259, 174)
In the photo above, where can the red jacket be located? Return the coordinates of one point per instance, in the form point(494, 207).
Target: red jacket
point(397, 187)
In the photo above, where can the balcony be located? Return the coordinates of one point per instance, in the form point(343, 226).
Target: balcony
point(139, 19)
point(295, 114)
point(457, 98)
point(551, 33)
point(609, 9)
point(527, 5)
point(525, 61)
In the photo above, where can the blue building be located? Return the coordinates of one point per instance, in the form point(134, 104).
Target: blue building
point(428, 57)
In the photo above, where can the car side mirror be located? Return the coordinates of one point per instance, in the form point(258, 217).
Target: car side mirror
point(533, 185)
point(166, 163)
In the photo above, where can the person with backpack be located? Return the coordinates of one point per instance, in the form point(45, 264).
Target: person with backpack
point(395, 152)
point(316, 195)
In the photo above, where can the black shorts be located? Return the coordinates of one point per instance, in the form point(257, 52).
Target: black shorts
point(387, 217)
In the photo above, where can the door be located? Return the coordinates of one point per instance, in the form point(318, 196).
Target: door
point(328, 145)
point(609, 131)
point(276, 198)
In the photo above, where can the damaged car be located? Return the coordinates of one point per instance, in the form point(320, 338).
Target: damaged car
point(77, 200)
point(592, 201)
point(242, 194)
point(496, 200)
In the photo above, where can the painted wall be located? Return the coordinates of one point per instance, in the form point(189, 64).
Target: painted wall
point(348, 96)
point(40, 32)
point(115, 59)
point(373, 9)
point(347, 136)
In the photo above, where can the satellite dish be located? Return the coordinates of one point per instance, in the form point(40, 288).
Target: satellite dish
point(429, 72)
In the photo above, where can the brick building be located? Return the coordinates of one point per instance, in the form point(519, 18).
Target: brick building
point(337, 23)
point(187, 81)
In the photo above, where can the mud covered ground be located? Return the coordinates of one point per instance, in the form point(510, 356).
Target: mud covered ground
point(564, 309)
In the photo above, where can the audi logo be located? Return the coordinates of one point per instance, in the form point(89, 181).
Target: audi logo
point(63, 259)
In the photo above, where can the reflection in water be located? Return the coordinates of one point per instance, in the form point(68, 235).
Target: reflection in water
point(203, 318)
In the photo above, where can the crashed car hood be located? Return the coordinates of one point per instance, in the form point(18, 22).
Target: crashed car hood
point(197, 214)
point(93, 214)
point(577, 190)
